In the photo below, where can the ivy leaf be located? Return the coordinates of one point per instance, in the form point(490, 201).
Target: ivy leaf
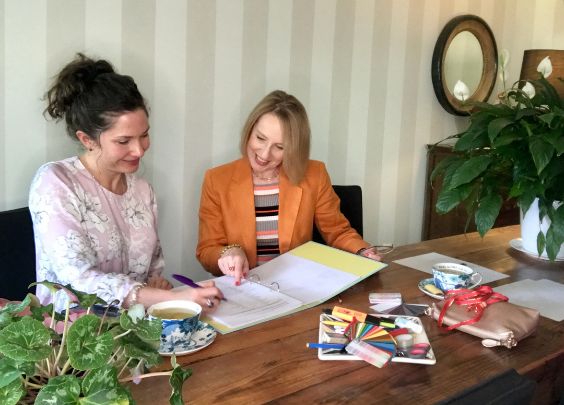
point(176, 381)
point(497, 125)
point(8, 372)
point(151, 355)
point(471, 169)
point(487, 213)
point(542, 153)
point(86, 349)
point(14, 308)
point(61, 390)
point(26, 340)
point(541, 243)
point(145, 329)
point(10, 394)
point(101, 387)
point(5, 320)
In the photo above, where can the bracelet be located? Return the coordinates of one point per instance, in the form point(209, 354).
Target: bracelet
point(134, 293)
point(229, 247)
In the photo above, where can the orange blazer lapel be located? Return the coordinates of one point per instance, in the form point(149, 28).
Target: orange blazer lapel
point(289, 200)
point(241, 192)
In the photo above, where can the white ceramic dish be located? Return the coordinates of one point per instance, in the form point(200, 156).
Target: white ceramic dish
point(518, 245)
point(202, 337)
point(423, 283)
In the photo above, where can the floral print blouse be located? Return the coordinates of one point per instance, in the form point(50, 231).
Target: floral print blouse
point(88, 237)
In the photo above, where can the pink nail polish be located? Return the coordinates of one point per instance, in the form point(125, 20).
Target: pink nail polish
point(366, 254)
point(236, 283)
point(244, 275)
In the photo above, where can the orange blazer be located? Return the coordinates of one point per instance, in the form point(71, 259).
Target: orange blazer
point(227, 213)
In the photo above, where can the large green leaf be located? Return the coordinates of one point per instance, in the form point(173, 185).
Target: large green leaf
point(497, 125)
point(526, 199)
point(471, 169)
point(556, 139)
point(37, 313)
point(487, 213)
point(26, 340)
point(541, 243)
point(86, 349)
point(555, 233)
point(61, 390)
point(13, 308)
point(442, 166)
point(542, 153)
point(176, 381)
point(84, 300)
point(471, 140)
point(506, 139)
point(101, 387)
point(151, 355)
point(5, 320)
point(145, 329)
point(10, 394)
point(450, 172)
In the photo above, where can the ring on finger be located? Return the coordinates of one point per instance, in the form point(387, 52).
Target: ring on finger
point(231, 268)
point(210, 304)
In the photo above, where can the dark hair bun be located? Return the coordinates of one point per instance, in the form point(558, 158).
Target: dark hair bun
point(75, 78)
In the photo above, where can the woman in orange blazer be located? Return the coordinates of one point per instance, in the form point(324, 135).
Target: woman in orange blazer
point(266, 203)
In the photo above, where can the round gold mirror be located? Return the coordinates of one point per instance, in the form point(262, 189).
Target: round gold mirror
point(465, 51)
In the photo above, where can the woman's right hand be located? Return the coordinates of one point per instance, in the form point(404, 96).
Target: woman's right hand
point(208, 294)
point(233, 262)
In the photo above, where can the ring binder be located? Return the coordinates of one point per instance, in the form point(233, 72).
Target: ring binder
point(258, 282)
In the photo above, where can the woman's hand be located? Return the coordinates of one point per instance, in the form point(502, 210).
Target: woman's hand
point(159, 282)
point(370, 253)
point(208, 297)
point(233, 262)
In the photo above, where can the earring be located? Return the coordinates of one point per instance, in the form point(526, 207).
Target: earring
point(90, 149)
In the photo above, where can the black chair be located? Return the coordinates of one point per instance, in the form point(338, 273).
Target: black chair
point(351, 207)
point(507, 388)
point(17, 254)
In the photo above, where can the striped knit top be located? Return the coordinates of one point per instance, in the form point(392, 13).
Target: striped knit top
point(266, 213)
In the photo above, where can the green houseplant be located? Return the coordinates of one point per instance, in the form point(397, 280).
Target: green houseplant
point(512, 150)
point(87, 363)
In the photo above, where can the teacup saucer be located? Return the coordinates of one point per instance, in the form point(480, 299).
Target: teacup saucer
point(203, 337)
point(518, 245)
point(423, 283)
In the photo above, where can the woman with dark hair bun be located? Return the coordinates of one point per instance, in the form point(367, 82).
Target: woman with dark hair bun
point(95, 221)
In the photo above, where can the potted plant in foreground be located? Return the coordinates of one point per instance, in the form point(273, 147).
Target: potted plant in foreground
point(513, 149)
point(87, 363)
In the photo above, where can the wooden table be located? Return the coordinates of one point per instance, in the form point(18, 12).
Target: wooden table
point(269, 363)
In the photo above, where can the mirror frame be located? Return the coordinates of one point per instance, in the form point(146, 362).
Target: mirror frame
point(484, 34)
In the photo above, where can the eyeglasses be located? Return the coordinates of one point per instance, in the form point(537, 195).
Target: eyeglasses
point(379, 249)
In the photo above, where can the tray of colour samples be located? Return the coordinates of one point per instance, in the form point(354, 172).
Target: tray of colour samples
point(407, 346)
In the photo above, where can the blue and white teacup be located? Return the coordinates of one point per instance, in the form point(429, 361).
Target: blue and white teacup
point(450, 276)
point(176, 332)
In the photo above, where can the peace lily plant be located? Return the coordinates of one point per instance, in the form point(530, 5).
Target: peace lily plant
point(87, 363)
point(512, 150)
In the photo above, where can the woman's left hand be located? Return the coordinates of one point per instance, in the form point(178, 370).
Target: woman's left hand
point(370, 253)
point(159, 282)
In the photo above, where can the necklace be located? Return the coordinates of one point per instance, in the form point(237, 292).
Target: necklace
point(122, 181)
point(267, 178)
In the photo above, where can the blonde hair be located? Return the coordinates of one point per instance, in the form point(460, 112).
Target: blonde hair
point(295, 131)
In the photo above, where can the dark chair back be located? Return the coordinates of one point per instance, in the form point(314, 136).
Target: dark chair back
point(507, 388)
point(351, 207)
point(17, 254)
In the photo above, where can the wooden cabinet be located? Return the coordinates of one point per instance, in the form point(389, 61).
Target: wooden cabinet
point(436, 225)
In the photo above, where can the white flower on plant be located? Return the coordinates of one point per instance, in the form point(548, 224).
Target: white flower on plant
point(136, 312)
point(461, 91)
point(545, 67)
point(504, 58)
point(529, 90)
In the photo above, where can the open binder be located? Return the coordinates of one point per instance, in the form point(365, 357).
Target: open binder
point(301, 278)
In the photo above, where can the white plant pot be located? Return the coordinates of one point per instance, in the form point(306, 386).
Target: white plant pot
point(530, 228)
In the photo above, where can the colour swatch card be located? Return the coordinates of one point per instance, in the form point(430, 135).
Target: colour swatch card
point(545, 296)
point(425, 263)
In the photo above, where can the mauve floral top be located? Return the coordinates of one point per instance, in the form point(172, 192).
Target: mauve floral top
point(88, 237)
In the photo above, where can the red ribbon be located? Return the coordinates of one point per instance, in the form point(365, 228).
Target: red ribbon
point(476, 300)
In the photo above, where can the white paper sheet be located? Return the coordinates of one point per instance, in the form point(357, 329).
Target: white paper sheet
point(249, 303)
point(302, 279)
point(425, 263)
point(545, 296)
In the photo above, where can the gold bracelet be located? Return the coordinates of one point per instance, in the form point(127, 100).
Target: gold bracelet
point(134, 293)
point(229, 247)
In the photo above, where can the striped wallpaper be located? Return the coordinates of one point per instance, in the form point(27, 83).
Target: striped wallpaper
point(361, 68)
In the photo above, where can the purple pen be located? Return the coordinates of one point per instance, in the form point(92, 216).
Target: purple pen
point(189, 282)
